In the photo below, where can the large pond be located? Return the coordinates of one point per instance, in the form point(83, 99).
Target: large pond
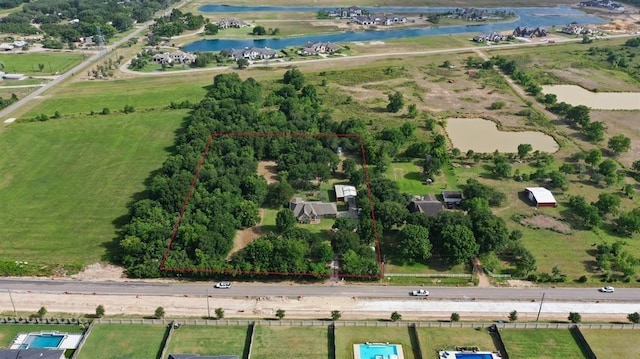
point(482, 135)
point(529, 17)
point(576, 95)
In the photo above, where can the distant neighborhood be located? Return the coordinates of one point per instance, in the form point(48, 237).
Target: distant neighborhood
point(604, 4)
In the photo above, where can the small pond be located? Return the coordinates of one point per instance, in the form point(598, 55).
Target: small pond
point(483, 136)
point(576, 95)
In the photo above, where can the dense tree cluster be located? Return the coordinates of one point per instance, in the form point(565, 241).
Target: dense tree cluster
point(176, 23)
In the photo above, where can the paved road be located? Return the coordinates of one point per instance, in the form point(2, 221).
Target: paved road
point(359, 291)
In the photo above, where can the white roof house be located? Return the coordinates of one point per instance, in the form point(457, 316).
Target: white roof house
point(345, 191)
point(541, 196)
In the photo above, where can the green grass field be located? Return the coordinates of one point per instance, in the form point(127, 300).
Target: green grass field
point(143, 93)
point(290, 342)
point(551, 343)
point(65, 184)
point(9, 332)
point(29, 64)
point(208, 340)
point(347, 336)
point(409, 178)
point(433, 340)
point(615, 343)
point(112, 341)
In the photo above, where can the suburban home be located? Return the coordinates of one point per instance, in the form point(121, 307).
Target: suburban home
point(379, 19)
point(319, 48)
point(541, 197)
point(346, 12)
point(178, 57)
point(197, 356)
point(575, 29)
point(253, 53)
point(31, 354)
point(452, 198)
point(312, 212)
point(607, 4)
point(493, 37)
point(427, 204)
point(473, 14)
point(226, 23)
point(529, 32)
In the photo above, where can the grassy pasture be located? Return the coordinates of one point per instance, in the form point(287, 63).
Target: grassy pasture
point(112, 341)
point(208, 340)
point(409, 178)
point(9, 332)
point(433, 340)
point(143, 93)
point(347, 336)
point(290, 342)
point(65, 184)
point(613, 343)
point(551, 343)
point(28, 63)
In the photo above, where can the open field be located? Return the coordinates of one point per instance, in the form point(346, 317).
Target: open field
point(436, 339)
point(290, 342)
point(51, 62)
point(552, 343)
point(112, 341)
point(613, 343)
point(9, 332)
point(208, 340)
point(347, 336)
point(65, 184)
point(409, 178)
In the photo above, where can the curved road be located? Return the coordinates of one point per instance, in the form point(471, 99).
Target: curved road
point(321, 290)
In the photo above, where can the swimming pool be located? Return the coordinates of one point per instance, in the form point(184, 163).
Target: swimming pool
point(378, 351)
point(42, 341)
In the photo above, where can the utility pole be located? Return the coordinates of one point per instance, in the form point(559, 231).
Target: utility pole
point(208, 308)
point(15, 313)
point(540, 310)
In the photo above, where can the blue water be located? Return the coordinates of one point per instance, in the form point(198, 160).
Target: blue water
point(370, 351)
point(527, 17)
point(473, 356)
point(40, 341)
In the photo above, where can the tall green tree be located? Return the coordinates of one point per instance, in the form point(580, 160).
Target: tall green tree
point(285, 220)
point(396, 102)
point(414, 244)
point(619, 144)
point(459, 244)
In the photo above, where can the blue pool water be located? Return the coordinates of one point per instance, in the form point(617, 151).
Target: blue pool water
point(473, 356)
point(41, 341)
point(371, 351)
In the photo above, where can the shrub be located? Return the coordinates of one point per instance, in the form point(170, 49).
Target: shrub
point(395, 316)
point(335, 315)
point(280, 314)
point(100, 311)
point(219, 313)
point(634, 317)
point(513, 316)
point(574, 317)
point(582, 279)
point(497, 105)
point(455, 317)
point(159, 313)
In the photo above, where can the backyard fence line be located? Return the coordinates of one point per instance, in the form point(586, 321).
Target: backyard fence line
point(85, 335)
point(332, 333)
point(251, 327)
point(494, 331)
point(582, 343)
point(167, 338)
point(493, 275)
point(415, 340)
point(430, 275)
point(365, 323)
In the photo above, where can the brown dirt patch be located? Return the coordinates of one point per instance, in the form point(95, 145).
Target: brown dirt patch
point(101, 272)
point(267, 169)
point(546, 222)
point(245, 236)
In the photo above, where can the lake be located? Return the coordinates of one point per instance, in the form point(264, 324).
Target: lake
point(529, 17)
point(576, 95)
point(483, 136)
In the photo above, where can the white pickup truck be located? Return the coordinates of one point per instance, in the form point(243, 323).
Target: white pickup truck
point(420, 293)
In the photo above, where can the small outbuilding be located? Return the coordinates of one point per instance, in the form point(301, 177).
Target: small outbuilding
point(452, 198)
point(541, 197)
point(344, 192)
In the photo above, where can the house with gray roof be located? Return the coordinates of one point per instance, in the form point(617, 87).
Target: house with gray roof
point(427, 204)
point(312, 212)
point(226, 23)
point(31, 354)
point(253, 53)
point(314, 48)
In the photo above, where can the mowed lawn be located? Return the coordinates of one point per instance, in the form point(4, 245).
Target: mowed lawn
point(111, 341)
point(409, 178)
point(29, 64)
point(64, 184)
point(541, 344)
point(615, 343)
point(290, 343)
point(208, 340)
point(9, 332)
point(433, 340)
point(347, 336)
point(142, 93)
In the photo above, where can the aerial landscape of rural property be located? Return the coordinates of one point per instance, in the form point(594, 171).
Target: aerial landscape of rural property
point(372, 179)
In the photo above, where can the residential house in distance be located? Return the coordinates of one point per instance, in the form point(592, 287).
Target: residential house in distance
point(427, 204)
point(541, 197)
point(253, 53)
point(529, 32)
point(312, 212)
point(31, 354)
point(379, 19)
point(346, 12)
point(605, 4)
point(452, 198)
point(473, 14)
point(226, 23)
point(492, 37)
point(572, 29)
point(319, 48)
point(176, 57)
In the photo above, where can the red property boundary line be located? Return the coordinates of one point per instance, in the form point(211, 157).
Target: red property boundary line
point(252, 134)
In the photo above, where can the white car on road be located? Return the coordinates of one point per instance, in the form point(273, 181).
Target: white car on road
point(420, 293)
point(223, 285)
point(607, 290)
